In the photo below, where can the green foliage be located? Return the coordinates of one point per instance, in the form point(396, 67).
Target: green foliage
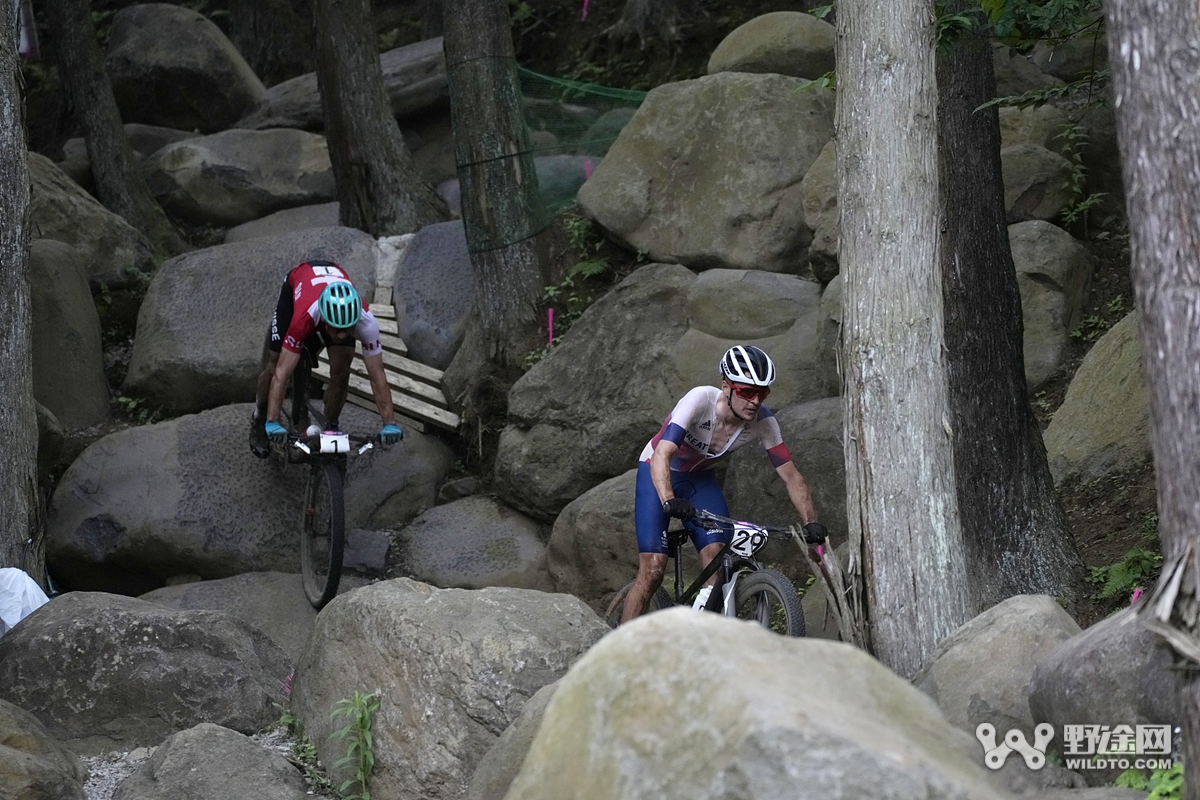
point(304, 756)
point(821, 12)
point(1075, 139)
point(519, 11)
point(1040, 97)
point(1021, 23)
point(1121, 578)
point(359, 713)
point(826, 81)
point(1093, 326)
point(1163, 784)
point(137, 409)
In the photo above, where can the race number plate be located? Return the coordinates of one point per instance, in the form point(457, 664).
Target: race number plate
point(335, 442)
point(747, 539)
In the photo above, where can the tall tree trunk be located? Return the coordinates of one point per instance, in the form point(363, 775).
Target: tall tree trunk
point(901, 501)
point(119, 182)
point(502, 210)
point(274, 36)
point(1154, 48)
point(1015, 532)
point(378, 186)
point(433, 21)
point(21, 542)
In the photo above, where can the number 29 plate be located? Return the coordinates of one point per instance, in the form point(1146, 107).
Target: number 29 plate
point(747, 539)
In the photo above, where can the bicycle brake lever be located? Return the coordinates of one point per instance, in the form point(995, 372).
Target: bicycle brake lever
point(366, 447)
point(299, 445)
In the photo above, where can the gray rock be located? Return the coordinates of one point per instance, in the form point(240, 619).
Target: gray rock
point(784, 42)
point(68, 365)
point(33, 765)
point(1096, 793)
point(493, 650)
point(290, 220)
point(1075, 58)
point(186, 496)
point(366, 551)
point(1016, 74)
point(981, 672)
point(560, 176)
point(1035, 182)
point(1053, 273)
point(209, 762)
point(105, 672)
point(819, 193)
point(237, 176)
point(414, 76)
point(434, 293)
point(707, 173)
point(605, 130)
point(430, 139)
point(173, 67)
point(170, 368)
point(50, 440)
point(627, 721)
point(1040, 125)
point(471, 543)
point(829, 333)
point(144, 139)
point(497, 769)
point(1104, 421)
point(59, 209)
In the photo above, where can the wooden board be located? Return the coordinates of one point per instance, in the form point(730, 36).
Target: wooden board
point(405, 423)
point(401, 383)
point(403, 403)
point(393, 344)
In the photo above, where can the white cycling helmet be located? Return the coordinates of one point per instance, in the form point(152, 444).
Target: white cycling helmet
point(747, 364)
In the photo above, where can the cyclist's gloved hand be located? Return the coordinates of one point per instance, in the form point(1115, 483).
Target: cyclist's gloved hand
point(276, 432)
point(679, 508)
point(390, 434)
point(815, 533)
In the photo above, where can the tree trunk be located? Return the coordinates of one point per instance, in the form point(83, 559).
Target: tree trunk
point(901, 503)
point(119, 182)
point(379, 188)
point(21, 542)
point(1155, 63)
point(1015, 533)
point(433, 22)
point(274, 36)
point(502, 210)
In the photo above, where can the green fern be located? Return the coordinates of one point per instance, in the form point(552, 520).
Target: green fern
point(1125, 575)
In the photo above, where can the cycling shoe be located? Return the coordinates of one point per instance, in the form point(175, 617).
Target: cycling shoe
point(259, 445)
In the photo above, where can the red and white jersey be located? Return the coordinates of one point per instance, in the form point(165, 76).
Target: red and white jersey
point(690, 427)
point(307, 282)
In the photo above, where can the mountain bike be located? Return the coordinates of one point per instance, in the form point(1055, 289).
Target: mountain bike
point(744, 588)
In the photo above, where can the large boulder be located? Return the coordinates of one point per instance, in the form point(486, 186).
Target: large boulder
point(497, 769)
point(829, 336)
point(493, 650)
point(290, 220)
point(68, 365)
point(236, 176)
point(145, 140)
point(198, 347)
point(981, 672)
point(1036, 182)
point(471, 543)
point(414, 76)
point(1103, 423)
point(187, 497)
point(434, 293)
point(819, 196)
point(1074, 58)
point(629, 722)
point(784, 42)
point(1016, 74)
point(173, 67)
point(209, 762)
point(707, 173)
point(1053, 272)
point(33, 764)
point(105, 672)
point(1044, 126)
point(583, 413)
point(59, 209)
point(51, 439)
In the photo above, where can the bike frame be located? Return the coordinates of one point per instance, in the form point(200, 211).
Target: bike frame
point(728, 565)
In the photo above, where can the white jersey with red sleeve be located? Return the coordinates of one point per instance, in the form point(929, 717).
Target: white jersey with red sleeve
point(690, 427)
point(308, 281)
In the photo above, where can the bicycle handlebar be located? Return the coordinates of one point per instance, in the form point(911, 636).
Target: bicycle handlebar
point(309, 444)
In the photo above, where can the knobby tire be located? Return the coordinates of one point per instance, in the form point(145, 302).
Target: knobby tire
point(323, 533)
point(770, 599)
point(658, 601)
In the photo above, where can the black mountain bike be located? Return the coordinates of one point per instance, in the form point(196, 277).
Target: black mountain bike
point(744, 588)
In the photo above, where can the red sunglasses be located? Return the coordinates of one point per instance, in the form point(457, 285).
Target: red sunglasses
point(750, 392)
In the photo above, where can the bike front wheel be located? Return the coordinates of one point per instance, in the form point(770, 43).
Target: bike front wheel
point(322, 534)
point(658, 601)
point(770, 599)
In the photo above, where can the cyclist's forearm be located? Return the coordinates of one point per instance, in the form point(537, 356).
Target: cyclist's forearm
point(660, 471)
point(380, 389)
point(279, 381)
point(798, 492)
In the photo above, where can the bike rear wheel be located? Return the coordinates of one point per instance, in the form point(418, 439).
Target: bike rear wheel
point(658, 601)
point(770, 599)
point(322, 534)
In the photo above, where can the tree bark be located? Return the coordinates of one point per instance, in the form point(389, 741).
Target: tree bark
point(274, 36)
point(433, 22)
point(502, 209)
point(21, 543)
point(905, 538)
point(1015, 532)
point(1155, 65)
point(119, 182)
point(379, 188)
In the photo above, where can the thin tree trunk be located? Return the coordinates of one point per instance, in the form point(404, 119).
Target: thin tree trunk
point(905, 538)
point(119, 182)
point(1015, 532)
point(21, 543)
point(274, 36)
point(379, 188)
point(1154, 48)
point(502, 210)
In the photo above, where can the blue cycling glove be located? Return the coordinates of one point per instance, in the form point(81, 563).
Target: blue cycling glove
point(276, 432)
point(390, 434)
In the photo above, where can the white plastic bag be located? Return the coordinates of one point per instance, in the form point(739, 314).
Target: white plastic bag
point(19, 597)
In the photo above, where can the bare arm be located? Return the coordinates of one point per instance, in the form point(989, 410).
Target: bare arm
point(380, 389)
point(279, 382)
point(798, 493)
point(660, 469)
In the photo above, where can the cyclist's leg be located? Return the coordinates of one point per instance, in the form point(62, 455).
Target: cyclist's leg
point(652, 545)
point(705, 493)
point(280, 320)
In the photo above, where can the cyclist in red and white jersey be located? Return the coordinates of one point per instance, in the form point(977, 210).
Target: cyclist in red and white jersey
point(319, 307)
point(674, 471)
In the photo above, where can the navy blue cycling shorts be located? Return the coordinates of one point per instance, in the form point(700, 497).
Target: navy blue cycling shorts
point(699, 487)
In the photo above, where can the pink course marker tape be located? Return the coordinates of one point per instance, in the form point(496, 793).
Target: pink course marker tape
point(587, 168)
point(550, 320)
point(1136, 594)
point(583, 16)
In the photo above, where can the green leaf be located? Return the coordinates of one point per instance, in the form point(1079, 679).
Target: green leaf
point(821, 12)
point(1132, 779)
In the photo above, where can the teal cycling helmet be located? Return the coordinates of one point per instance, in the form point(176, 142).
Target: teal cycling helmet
point(339, 305)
